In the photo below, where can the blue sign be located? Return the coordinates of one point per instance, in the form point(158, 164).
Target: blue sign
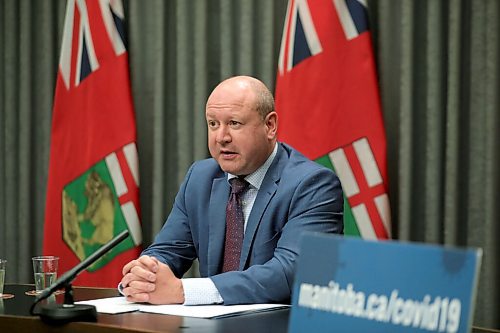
point(346, 284)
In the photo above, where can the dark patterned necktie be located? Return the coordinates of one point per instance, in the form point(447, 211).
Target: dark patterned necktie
point(234, 226)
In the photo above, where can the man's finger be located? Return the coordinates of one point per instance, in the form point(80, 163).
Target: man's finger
point(129, 266)
point(146, 262)
point(142, 286)
point(149, 263)
point(138, 298)
point(143, 274)
point(129, 277)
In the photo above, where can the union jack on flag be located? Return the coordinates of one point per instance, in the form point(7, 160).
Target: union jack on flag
point(80, 39)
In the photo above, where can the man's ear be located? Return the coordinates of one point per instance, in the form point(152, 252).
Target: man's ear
point(271, 122)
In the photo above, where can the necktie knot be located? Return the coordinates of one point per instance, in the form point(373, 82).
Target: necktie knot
point(238, 185)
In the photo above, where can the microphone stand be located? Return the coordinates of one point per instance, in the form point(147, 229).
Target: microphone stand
point(68, 312)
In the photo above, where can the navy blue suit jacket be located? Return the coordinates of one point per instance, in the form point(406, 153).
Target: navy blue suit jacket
point(296, 195)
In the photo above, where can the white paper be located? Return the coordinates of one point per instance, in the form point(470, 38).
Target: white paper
point(115, 305)
point(209, 311)
point(112, 305)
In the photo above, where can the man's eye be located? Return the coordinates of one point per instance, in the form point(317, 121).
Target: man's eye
point(234, 123)
point(211, 123)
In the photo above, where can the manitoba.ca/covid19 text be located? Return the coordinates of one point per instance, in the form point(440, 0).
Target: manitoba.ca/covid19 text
point(440, 314)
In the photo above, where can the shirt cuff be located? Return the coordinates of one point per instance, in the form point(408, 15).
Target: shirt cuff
point(120, 289)
point(199, 291)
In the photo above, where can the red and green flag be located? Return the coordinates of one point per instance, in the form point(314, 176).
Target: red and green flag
point(329, 106)
point(93, 183)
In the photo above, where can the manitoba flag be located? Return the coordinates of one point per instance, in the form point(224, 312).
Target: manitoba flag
point(329, 107)
point(93, 183)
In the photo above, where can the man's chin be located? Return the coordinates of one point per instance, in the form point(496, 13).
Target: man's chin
point(229, 167)
point(232, 171)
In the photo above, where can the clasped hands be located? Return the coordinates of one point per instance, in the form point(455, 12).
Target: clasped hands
point(147, 280)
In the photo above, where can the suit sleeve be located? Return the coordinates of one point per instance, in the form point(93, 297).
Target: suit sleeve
point(316, 205)
point(174, 244)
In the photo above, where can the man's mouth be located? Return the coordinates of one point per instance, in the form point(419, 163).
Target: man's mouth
point(227, 153)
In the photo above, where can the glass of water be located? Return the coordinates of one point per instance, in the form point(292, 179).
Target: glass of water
point(3, 263)
point(45, 270)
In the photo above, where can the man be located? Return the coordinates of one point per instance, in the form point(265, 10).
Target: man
point(285, 195)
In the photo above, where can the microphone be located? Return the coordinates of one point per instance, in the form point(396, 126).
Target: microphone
point(67, 312)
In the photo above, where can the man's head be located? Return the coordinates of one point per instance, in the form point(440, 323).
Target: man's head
point(242, 124)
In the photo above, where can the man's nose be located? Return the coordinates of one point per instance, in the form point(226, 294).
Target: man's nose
point(223, 135)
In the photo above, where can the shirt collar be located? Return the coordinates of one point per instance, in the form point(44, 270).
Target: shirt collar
point(256, 178)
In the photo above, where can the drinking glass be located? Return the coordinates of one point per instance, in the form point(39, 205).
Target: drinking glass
point(45, 271)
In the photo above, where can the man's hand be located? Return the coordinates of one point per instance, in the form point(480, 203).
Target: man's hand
point(168, 289)
point(148, 280)
point(140, 275)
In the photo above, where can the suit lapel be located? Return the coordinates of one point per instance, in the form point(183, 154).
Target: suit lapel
point(266, 192)
point(217, 224)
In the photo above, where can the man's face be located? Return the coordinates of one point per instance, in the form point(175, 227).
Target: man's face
point(238, 138)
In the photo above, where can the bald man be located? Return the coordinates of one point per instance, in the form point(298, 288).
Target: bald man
point(285, 194)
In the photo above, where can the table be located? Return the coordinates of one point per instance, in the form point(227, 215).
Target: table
point(15, 317)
